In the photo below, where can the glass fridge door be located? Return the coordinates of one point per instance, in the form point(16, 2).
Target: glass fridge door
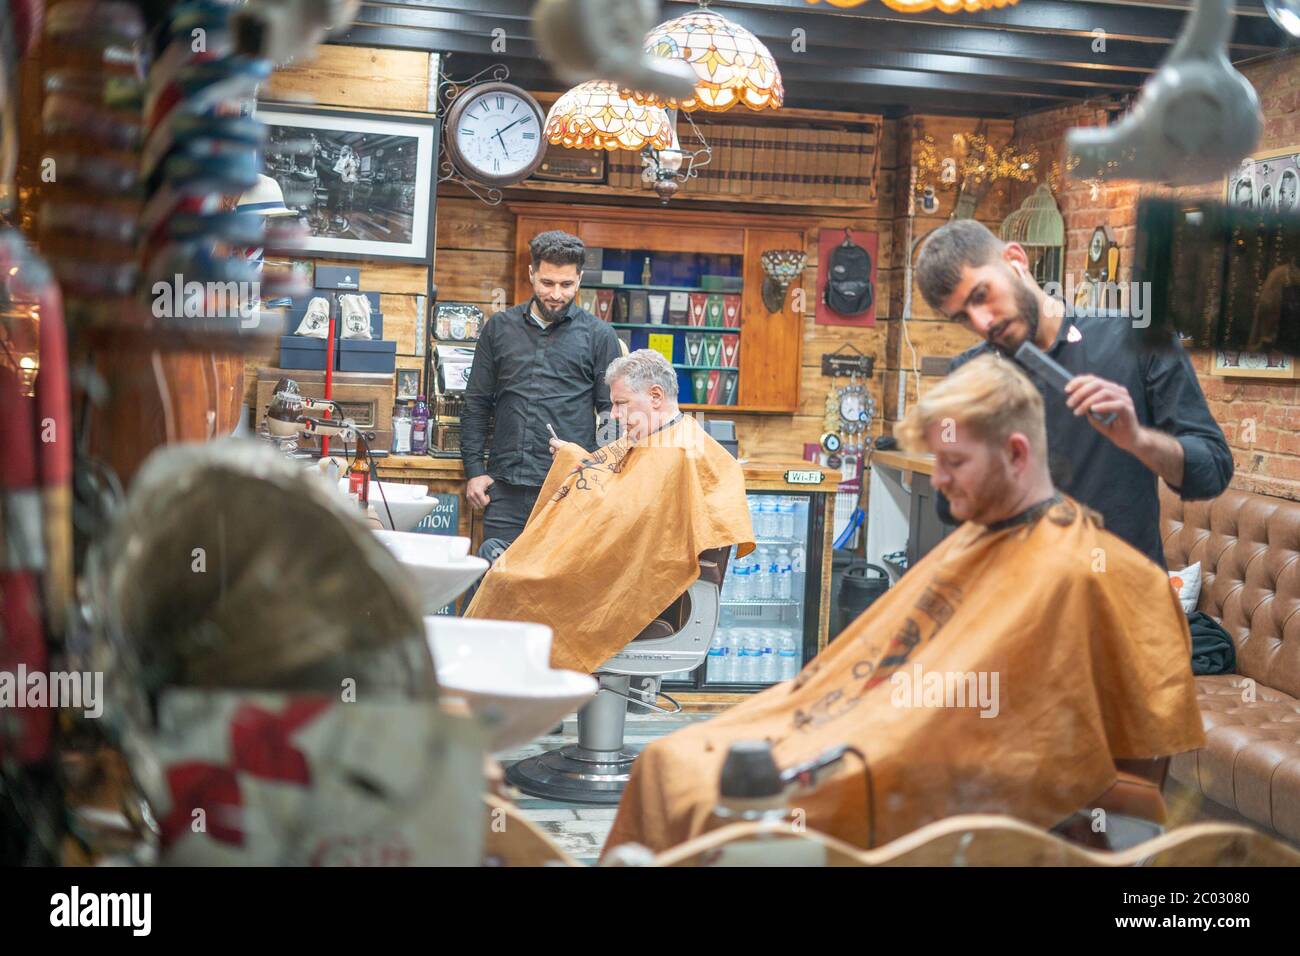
point(767, 627)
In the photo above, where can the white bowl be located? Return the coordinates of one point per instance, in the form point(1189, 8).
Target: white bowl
point(440, 564)
point(410, 504)
point(502, 670)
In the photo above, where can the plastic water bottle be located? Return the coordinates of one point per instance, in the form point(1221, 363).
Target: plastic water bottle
point(717, 653)
point(761, 580)
point(788, 657)
point(732, 667)
point(767, 671)
point(786, 530)
point(764, 527)
point(755, 571)
point(740, 583)
point(747, 671)
point(784, 575)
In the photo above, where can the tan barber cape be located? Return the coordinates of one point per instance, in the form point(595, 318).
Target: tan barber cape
point(1001, 674)
point(615, 537)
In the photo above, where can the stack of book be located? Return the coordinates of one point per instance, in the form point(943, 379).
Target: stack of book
point(830, 162)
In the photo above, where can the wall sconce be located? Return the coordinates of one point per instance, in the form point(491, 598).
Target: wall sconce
point(780, 268)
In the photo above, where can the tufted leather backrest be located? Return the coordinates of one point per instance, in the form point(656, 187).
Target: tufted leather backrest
point(1249, 549)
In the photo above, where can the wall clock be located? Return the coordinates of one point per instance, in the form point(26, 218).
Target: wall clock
point(494, 134)
point(849, 412)
point(1098, 268)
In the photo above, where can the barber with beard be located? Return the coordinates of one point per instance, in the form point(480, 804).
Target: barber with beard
point(1162, 426)
point(539, 363)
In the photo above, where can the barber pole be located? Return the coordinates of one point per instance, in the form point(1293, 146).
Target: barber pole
point(34, 489)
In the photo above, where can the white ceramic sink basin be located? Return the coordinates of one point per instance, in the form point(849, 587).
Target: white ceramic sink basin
point(502, 670)
point(441, 565)
point(410, 504)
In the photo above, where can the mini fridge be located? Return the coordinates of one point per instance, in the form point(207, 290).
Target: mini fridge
point(768, 625)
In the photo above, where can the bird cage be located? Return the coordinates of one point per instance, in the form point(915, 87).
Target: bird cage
point(1038, 227)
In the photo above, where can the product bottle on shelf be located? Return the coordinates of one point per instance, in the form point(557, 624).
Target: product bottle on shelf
point(359, 479)
point(420, 427)
point(401, 429)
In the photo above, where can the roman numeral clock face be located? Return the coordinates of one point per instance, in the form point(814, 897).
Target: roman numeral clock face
point(494, 134)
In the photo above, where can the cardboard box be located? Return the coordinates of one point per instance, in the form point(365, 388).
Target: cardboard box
point(366, 355)
point(343, 278)
point(301, 352)
point(372, 296)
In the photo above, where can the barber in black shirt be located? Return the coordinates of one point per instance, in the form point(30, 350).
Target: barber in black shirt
point(537, 364)
point(1162, 425)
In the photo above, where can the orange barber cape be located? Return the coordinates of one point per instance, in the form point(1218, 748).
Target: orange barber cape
point(1001, 674)
point(615, 537)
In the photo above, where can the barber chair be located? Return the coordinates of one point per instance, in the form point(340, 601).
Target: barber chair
point(1134, 808)
point(596, 768)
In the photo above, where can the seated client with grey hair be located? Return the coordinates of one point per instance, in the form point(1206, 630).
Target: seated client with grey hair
point(642, 394)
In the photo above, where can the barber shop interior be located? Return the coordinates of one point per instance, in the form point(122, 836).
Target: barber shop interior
point(643, 434)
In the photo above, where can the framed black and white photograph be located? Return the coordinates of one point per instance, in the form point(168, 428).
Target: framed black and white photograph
point(1269, 182)
point(408, 384)
point(363, 182)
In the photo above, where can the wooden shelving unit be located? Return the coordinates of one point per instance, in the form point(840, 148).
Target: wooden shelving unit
point(770, 356)
point(685, 195)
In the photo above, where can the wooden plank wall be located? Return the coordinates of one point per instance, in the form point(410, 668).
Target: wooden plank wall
point(475, 257)
point(379, 81)
point(926, 333)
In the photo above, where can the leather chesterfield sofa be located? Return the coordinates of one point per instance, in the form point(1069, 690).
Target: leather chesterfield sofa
point(1249, 549)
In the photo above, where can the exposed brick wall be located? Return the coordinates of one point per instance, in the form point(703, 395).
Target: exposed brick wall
point(1267, 412)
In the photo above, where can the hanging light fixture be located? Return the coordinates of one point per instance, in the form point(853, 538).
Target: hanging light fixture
point(731, 64)
point(595, 115)
point(668, 168)
point(921, 6)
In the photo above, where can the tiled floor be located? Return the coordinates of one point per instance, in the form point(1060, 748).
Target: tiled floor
point(580, 829)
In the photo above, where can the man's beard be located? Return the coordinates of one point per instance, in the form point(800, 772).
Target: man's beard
point(1027, 308)
point(994, 496)
point(547, 314)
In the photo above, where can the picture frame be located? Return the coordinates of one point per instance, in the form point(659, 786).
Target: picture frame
point(364, 184)
point(408, 384)
point(1269, 181)
point(457, 322)
point(1266, 365)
